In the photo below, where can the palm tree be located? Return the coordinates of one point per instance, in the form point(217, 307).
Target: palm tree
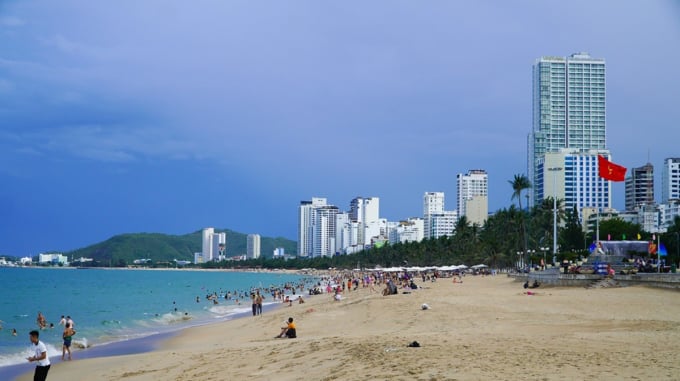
point(519, 183)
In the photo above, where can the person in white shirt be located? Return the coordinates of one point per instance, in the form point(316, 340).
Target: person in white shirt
point(40, 356)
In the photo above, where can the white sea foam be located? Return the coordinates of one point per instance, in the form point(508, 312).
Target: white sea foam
point(81, 343)
point(172, 318)
point(228, 310)
point(20, 357)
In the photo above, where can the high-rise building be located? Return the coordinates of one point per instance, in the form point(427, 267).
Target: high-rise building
point(577, 180)
point(640, 187)
point(219, 247)
point(568, 109)
point(670, 180)
point(473, 195)
point(206, 247)
point(253, 246)
point(305, 223)
point(433, 203)
point(366, 212)
point(213, 245)
point(323, 231)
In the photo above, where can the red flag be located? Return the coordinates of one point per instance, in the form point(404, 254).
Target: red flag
point(609, 170)
point(651, 247)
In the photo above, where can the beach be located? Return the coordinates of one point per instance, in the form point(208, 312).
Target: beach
point(485, 328)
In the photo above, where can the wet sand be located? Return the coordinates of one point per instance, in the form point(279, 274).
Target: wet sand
point(485, 328)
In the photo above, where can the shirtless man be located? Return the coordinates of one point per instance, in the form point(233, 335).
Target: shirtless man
point(67, 335)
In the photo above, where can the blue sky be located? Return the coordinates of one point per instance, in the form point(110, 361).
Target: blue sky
point(168, 116)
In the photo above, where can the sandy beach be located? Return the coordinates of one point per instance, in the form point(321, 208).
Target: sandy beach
point(485, 328)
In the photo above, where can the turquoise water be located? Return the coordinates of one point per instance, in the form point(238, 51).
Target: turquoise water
point(109, 306)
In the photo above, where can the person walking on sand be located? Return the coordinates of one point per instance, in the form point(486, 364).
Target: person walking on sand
point(258, 299)
point(254, 303)
point(67, 336)
point(40, 356)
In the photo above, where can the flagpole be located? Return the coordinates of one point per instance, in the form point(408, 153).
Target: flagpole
point(597, 224)
point(658, 254)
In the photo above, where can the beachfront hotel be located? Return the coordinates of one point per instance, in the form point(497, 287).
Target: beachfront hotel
point(568, 111)
point(305, 224)
point(433, 204)
point(577, 181)
point(473, 196)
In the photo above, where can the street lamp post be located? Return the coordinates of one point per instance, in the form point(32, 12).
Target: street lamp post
point(544, 250)
point(529, 254)
point(554, 171)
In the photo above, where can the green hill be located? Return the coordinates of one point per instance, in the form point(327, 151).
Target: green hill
point(125, 248)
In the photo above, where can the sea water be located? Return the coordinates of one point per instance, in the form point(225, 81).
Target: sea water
point(109, 306)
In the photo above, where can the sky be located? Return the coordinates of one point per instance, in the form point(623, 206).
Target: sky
point(170, 116)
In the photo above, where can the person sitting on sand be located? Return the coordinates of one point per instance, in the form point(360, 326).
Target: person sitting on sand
point(300, 300)
point(289, 330)
point(386, 291)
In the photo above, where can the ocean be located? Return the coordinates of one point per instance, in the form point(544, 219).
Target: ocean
point(110, 306)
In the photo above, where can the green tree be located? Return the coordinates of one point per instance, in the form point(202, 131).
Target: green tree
point(616, 228)
point(519, 183)
point(572, 238)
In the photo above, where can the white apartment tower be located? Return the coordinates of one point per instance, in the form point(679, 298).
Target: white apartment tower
point(323, 231)
point(213, 245)
point(253, 246)
point(670, 180)
point(305, 223)
point(365, 211)
point(206, 247)
point(433, 204)
point(473, 196)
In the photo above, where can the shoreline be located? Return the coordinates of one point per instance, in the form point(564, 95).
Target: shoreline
point(149, 336)
point(483, 328)
point(125, 347)
point(245, 270)
point(140, 345)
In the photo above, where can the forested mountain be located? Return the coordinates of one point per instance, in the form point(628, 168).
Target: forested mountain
point(125, 248)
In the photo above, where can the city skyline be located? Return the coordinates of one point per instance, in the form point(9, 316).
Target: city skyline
point(229, 114)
